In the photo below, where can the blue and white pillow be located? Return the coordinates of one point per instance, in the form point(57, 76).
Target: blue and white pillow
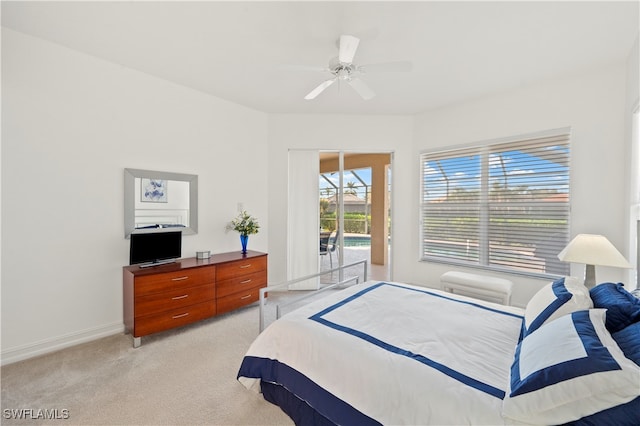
point(554, 300)
point(568, 369)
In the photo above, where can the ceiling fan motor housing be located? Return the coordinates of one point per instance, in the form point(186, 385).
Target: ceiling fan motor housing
point(343, 71)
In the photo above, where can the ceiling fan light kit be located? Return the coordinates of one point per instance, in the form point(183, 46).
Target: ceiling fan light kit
point(342, 68)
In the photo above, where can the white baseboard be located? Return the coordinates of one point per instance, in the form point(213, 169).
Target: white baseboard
point(45, 346)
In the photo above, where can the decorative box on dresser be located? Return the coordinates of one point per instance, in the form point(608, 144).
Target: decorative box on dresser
point(163, 297)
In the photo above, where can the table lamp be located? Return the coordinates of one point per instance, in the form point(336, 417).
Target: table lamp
point(592, 250)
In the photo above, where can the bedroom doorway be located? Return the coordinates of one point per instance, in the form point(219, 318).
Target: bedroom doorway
point(354, 193)
point(371, 241)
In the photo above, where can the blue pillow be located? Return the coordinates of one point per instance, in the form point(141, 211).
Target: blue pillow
point(623, 308)
point(568, 369)
point(629, 341)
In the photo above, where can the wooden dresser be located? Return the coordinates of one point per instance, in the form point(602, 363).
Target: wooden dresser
point(167, 296)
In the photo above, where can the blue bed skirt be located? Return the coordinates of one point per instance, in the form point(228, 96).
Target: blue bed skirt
point(299, 411)
point(303, 414)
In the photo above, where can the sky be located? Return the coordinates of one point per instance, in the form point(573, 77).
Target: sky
point(547, 170)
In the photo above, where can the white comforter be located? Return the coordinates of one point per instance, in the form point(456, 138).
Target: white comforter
point(397, 353)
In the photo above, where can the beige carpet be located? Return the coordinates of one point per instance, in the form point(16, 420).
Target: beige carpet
point(180, 377)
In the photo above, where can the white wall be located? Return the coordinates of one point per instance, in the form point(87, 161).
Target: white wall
point(331, 132)
point(593, 105)
point(70, 125)
point(632, 143)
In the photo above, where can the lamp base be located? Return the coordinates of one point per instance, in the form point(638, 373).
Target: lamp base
point(590, 276)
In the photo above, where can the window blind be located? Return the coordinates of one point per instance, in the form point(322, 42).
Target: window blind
point(502, 205)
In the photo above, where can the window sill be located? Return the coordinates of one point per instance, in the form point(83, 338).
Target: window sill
point(497, 269)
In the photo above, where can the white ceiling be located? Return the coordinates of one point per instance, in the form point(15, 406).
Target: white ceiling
point(239, 51)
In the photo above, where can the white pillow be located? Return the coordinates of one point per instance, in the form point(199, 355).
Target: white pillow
point(554, 300)
point(568, 369)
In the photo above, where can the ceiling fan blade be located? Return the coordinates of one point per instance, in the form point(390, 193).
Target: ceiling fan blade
point(399, 66)
point(362, 88)
point(293, 67)
point(315, 92)
point(348, 47)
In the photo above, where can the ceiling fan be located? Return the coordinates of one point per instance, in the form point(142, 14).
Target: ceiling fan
point(343, 69)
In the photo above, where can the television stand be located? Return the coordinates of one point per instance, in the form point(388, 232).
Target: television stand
point(156, 263)
point(189, 290)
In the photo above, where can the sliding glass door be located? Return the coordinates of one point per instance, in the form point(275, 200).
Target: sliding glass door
point(330, 198)
point(355, 199)
point(339, 213)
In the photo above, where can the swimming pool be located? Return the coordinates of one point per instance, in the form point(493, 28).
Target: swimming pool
point(357, 240)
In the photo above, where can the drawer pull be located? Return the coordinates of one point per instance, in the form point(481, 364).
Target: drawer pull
point(245, 282)
point(180, 278)
point(180, 316)
point(180, 297)
point(245, 266)
point(245, 297)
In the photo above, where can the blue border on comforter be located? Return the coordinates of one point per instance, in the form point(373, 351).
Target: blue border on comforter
point(469, 381)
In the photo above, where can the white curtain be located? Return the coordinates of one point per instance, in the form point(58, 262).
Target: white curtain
point(303, 217)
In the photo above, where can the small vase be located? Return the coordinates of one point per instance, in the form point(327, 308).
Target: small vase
point(244, 239)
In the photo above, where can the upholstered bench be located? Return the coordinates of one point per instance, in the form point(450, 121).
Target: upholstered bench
point(479, 286)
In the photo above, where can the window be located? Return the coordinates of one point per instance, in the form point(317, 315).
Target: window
point(501, 205)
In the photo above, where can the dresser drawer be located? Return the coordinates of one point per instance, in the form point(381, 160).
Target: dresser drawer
point(173, 318)
point(178, 298)
point(237, 300)
point(241, 283)
point(241, 267)
point(158, 283)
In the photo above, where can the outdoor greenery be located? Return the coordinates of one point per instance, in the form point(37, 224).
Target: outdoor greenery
point(497, 192)
point(467, 228)
point(509, 218)
point(353, 222)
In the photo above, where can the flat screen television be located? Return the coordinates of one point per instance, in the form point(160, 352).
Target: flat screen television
point(155, 248)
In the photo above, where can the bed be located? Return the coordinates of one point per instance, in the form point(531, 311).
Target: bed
point(393, 353)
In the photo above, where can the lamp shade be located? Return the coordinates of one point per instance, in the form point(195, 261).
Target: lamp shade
point(593, 250)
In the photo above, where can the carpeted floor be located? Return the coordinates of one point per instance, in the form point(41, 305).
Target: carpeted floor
point(180, 377)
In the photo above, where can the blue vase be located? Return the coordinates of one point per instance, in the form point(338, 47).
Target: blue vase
point(244, 239)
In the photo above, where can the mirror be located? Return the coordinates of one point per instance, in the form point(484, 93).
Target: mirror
point(160, 200)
